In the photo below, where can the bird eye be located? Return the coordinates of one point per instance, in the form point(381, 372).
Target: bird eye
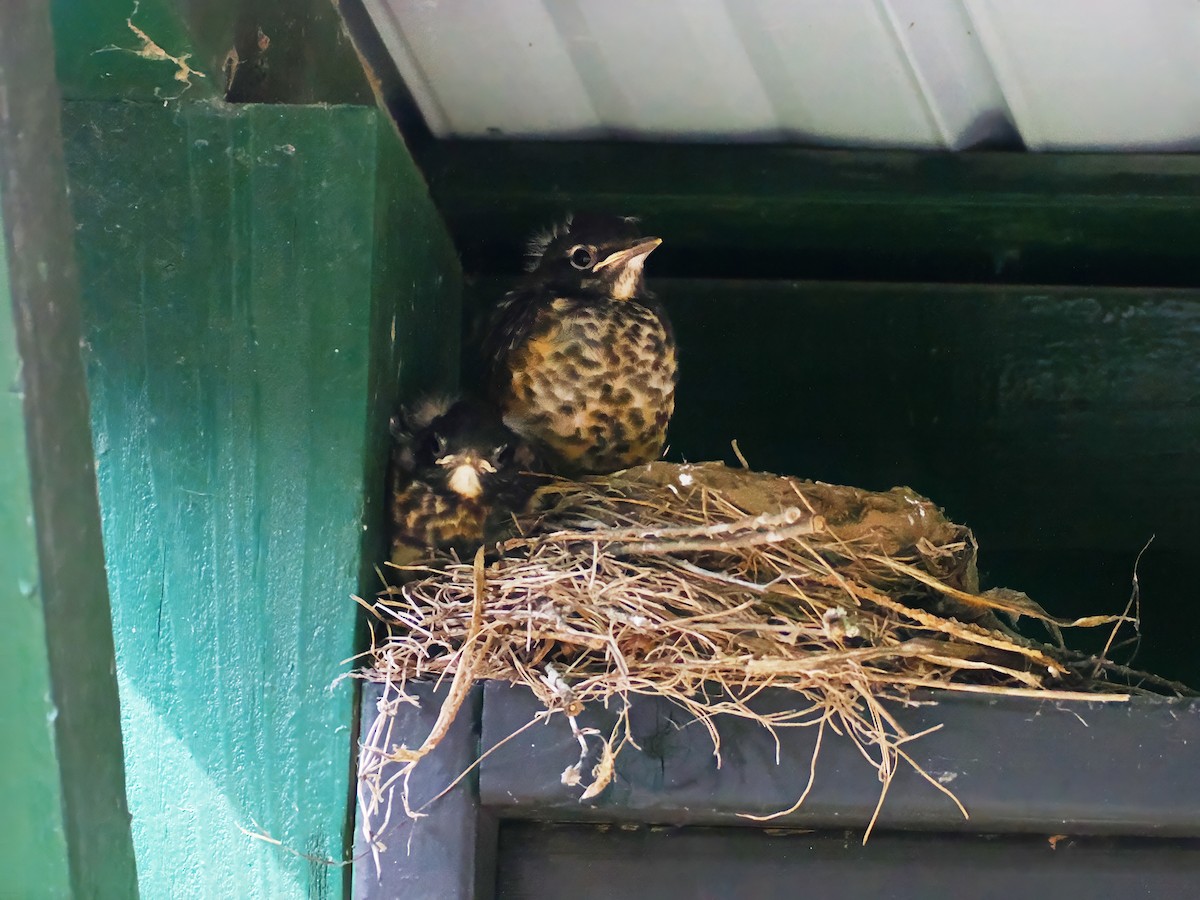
point(582, 257)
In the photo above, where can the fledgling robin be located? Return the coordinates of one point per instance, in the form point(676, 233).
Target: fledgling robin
point(580, 357)
point(456, 475)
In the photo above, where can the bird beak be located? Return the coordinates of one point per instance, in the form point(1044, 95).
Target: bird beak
point(638, 251)
point(464, 481)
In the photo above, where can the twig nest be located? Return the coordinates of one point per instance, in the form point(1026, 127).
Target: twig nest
point(665, 578)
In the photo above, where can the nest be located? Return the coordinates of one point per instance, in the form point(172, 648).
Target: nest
point(671, 580)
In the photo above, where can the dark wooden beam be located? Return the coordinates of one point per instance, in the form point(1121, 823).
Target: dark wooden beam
point(448, 852)
point(594, 863)
point(62, 782)
point(784, 212)
point(1066, 791)
point(1018, 766)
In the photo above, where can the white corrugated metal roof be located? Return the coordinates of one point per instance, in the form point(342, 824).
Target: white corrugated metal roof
point(1063, 74)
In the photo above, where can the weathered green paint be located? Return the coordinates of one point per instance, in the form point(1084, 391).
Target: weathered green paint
point(293, 52)
point(62, 791)
point(123, 49)
point(241, 265)
point(1062, 424)
point(785, 212)
point(33, 855)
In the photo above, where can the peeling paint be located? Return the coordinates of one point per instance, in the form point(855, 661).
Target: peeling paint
point(152, 50)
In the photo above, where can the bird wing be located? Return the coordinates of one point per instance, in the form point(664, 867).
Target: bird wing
point(510, 325)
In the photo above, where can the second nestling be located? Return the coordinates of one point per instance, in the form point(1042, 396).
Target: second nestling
point(455, 473)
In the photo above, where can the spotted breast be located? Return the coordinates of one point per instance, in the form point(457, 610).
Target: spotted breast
point(581, 357)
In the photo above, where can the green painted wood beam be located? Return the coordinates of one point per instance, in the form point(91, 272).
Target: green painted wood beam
point(259, 283)
point(785, 212)
point(258, 51)
point(34, 853)
point(62, 789)
point(130, 50)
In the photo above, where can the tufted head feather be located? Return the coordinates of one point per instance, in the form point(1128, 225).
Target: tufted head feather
point(421, 414)
point(538, 243)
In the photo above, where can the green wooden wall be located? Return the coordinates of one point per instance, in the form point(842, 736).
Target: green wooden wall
point(153, 50)
point(257, 282)
point(64, 824)
point(34, 857)
point(784, 212)
point(1061, 423)
point(1012, 334)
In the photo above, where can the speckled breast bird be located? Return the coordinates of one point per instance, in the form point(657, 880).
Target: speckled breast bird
point(580, 358)
point(456, 475)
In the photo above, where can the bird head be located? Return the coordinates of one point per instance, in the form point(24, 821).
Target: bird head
point(466, 473)
point(462, 445)
point(593, 254)
point(484, 470)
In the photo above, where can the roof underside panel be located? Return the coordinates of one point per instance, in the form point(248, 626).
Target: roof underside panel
point(931, 74)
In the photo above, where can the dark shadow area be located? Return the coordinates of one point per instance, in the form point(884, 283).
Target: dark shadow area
point(782, 212)
point(261, 51)
point(537, 859)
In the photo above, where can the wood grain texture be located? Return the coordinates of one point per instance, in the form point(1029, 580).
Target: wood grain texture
point(62, 789)
point(415, 322)
point(34, 857)
point(236, 279)
point(789, 212)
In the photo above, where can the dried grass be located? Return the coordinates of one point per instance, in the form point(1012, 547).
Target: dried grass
point(706, 585)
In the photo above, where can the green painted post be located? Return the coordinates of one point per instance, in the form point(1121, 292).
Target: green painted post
point(33, 851)
point(64, 827)
point(258, 280)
